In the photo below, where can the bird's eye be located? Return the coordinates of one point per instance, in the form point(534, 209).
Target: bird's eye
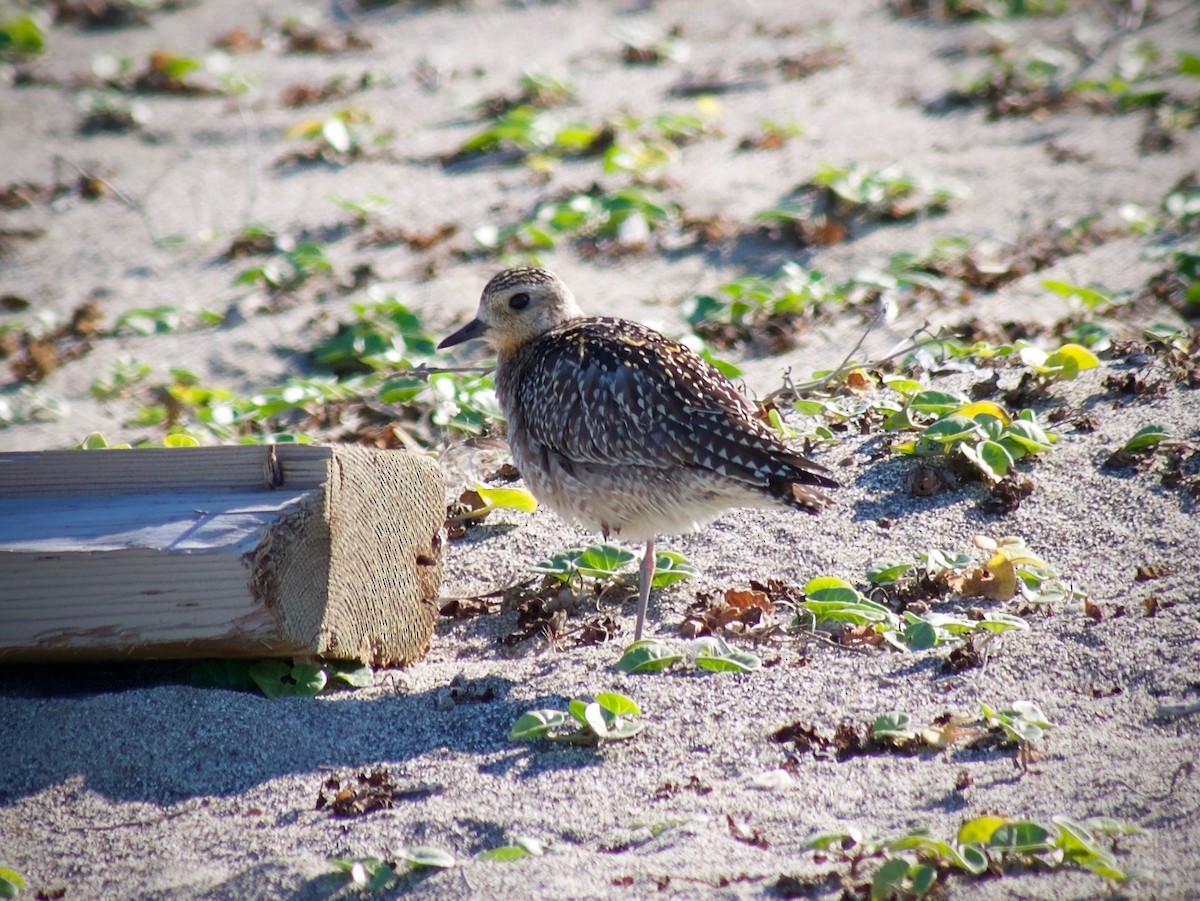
point(518, 301)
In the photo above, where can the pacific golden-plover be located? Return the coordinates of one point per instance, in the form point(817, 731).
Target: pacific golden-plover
point(621, 429)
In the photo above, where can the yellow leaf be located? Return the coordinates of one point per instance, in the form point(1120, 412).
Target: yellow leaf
point(1014, 548)
point(1080, 356)
point(709, 106)
point(985, 407)
point(508, 498)
point(305, 129)
point(979, 829)
point(1003, 584)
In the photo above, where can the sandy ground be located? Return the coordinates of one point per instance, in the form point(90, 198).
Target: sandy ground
point(126, 782)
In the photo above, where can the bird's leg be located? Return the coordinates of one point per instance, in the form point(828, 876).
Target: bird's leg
point(645, 577)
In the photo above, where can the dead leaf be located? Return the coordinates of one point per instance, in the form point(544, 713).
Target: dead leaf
point(465, 608)
point(859, 382)
point(847, 741)
point(963, 656)
point(746, 834)
point(1002, 582)
point(1092, 610)
point(368, 791)
point(597, 630)
point(742, 600)
point(858, 636)
point(670, 789)
point(1149, 571)
point(803, 737)
point(924, 480)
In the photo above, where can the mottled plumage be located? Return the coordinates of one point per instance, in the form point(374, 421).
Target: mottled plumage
point(619, 428)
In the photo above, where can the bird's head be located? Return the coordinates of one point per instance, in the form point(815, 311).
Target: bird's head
point(518, 305)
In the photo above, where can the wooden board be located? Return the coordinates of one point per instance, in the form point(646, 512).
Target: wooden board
point(227, 551)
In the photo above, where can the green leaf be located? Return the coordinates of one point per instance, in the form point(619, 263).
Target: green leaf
point(578, 710)
point(1107, 871)
point(536, 724)
point(669, 568)
point(562, 564)
point(1148, 437)
point(1022, 837)
point(180, 440)
point(938, 403)
point(21, 36)
point(825, 841)
point(268, 675)
point(1029, 435)
point(888, 879)
point(1001, 622)
point(11, 882)
point(1031, 712)
point(229, 674)
point(623, 729)
point(979, 830)
point(647, 656)
point(503, 853)
point(902, 384)
point(155, 320)
point(717, 656)
point(602, 561)
point(920, 636)
point(972, 858)
point(310, 678)
point(353, 673)
point(899, 421)
point(998, 460)
point(971, 453)
point(860, 613)
point(1111, 826)
point(1089, 297)
point(894, 724)
point(425, 856)
point(937, 560)
point(954, 427)
point(922, 878)
point(809, 407)
point(829, 588)
point(618, 704)
point(1077, 844)
point(1189, 63)
point(888, 572)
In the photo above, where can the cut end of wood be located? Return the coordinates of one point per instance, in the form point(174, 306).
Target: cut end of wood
point(226, 552)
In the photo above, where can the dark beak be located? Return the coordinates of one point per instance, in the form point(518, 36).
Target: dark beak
point(473, 329)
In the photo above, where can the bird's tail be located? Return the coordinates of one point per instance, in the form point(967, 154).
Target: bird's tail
point(800, 487)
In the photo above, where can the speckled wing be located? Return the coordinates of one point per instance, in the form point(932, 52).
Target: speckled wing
point(614, 392)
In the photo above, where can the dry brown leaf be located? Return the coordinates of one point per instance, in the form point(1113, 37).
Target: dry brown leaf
point(742, 599)
point(857, 636)
point(859, 382)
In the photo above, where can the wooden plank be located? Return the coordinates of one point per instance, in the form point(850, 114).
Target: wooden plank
point(230, 551)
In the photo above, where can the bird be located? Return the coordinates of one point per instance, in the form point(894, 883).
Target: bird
point(623, 430)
